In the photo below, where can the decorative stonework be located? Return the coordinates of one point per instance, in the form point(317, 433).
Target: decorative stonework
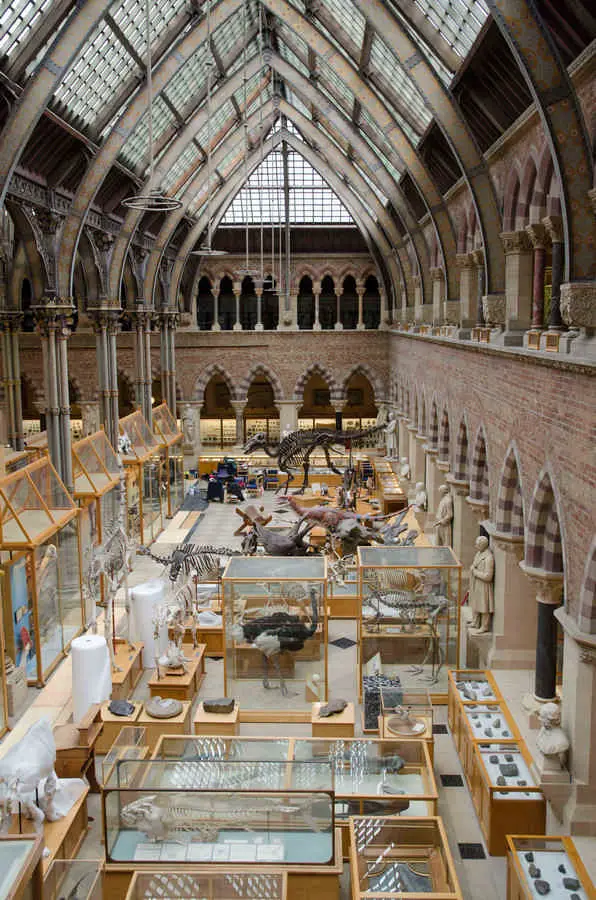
point(465, 261)
point(451, 312)
point(515, 242)
point(578, 304)
point(588, 655)
point(494, 307)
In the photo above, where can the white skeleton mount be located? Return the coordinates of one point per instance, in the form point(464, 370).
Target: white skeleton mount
point(182, 608)
point(112, 560)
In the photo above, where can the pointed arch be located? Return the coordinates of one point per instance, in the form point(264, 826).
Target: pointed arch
point(206, 376)
point(511, 198)
point(544, 546)
point(587, 596)
point(422, 414)
point(264, 372)
point(479, 483)
point(460, 466)
point(325, 374)
point(510, 504)
point(444, 436)
point(433, 432)
point(365, 370)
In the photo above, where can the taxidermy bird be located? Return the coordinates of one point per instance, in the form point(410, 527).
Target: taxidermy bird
point(276, 632)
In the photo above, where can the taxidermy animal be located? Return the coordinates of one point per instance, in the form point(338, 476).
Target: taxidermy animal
point(274, 543)
point(168, 816)
point(276, 632)
point(331, 517)
point(201, 560)
point(295, 449)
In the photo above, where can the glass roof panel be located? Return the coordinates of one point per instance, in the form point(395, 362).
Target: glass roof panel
point(349, 17)
point(459, 21)
point(338, 88)
point(293, 59)
point(130, 18)
point(136, 148)
point(394, 75)
point(188, 159)
point(190, 81)
point(293, 98)
point(18, 21)
point(230, 34)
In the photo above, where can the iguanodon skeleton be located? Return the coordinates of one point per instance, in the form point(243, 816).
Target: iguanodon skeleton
point(201, 560)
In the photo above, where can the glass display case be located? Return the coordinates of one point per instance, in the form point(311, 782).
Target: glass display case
point(42, 599)
point(218, 432)
point(505, 794)
point(208, 885)
point(468, 686)
point(145, 481)
point(407, 717)
point(3, 680)
point(74, 879)
point(265, 425)
point(275, 635)
point(148, 818)
point(221, 748)
point(408, 630)
point(344, 596)
point(480, 721)
point(171, 439)
point(554, 861)
point(20, 866)
point(396, 858)
point(131, 744)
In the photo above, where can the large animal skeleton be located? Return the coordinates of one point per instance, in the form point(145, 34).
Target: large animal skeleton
point(295, 449)
point(275, 631)
point(172, 816)
point(200, 560)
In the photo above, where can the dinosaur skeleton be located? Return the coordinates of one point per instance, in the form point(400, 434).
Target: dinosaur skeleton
point(167, 816)
point(295, 449)
point(201, 560)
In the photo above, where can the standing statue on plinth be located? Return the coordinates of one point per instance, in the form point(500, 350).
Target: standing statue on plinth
point(391, 436)
point(482, 599)
point(444, 522)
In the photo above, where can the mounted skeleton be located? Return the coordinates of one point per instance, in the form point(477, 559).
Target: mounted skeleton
point(295, 449)
point(201, 560)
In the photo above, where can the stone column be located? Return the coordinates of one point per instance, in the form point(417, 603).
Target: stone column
point(553, 225)
point(419, 315)
point(403, 442)
point(138, 318)
point(467, 289)
point(62, 335)
point(383, 313)
point(538, 236)
point(288, 414)
point(518, 285)
point(172, 360)
point(113, 328)
point(465, 524)
point(90, 413)
point(434, 478)
point(237, 288)
point(191, 427)
point(215, 290)
point(360, 294)
point(316, 290)
point(515, 619)
point(478, 256)
point(338, 323)
point(164, 352)
point(438, 287)
point(259, 324)
point(10, 323)
point(239, 410)
point(548, 587)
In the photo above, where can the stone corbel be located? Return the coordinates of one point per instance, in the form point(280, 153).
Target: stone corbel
point(47, 226)
point(478, 507)
point(509, 543)
point(459, 486)
point(548, 585)
point(102, 246)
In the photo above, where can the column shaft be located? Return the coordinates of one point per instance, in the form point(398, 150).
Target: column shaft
point(19, 436)
point(546, 653)
point(555, 322)
point(317, 323)
point(538, 287)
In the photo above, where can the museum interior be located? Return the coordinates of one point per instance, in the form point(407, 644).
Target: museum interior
point(297, 449)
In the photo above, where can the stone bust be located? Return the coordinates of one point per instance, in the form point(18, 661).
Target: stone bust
point(552, 740)
point(420, 500)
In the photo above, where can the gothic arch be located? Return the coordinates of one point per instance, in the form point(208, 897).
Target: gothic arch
point(544, 545)
point(364, 369)
point(511, 198)
point(587, 596)
point(479, 483)
point(206, 376)
point(433, 431)
point(460, 462)
point(444, 436)
point(325, 374)
point(265, 372)
point(510, 503)
point(422, 414)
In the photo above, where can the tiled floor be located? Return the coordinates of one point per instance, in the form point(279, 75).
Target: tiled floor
point(480, 876)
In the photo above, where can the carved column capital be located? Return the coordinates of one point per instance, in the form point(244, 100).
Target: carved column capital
point(515, 242)
point(437, 273)
point(478, 256)
point(578, 304)
point(548, 585)
point(10, 320)
point(554, 228)
point(538, 235)
point(54, 315)
point(465, 261)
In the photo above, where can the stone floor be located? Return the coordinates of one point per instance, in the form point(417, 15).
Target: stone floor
point(480, 876)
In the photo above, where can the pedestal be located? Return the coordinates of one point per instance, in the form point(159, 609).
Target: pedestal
point(112, 726)
point(434, 479)
point(216, 723)
point(184, 686)
point(515, 618)
point(465, 525)
point(154, 728)
point(130, 668)
point(340, 725)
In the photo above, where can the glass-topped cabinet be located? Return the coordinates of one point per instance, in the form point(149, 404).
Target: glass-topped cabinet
point(208, 885)
point(42, 597)
point(20, 866)
point(145, 484)
point(275, 634)
point(171, 439)
point(410, 617)
point(552, 860)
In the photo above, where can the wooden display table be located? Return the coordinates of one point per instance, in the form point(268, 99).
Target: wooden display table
point(340, 725)
point(75, 748)
point(210, 635)
point(186, 685)
point(216, 723)
point(456, 699)
point(130, 662)
point(156, 727)
point(112, 725)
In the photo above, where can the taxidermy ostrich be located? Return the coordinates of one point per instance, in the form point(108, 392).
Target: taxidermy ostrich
point(276, 632)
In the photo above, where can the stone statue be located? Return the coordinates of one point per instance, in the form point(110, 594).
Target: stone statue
point(482, 573)
point(420, 500)
point(188, 424)
point(391, 436)
point(444, 521)
point(404, 470)
point(552, 741)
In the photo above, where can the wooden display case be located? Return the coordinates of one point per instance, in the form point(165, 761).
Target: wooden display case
point(216, 723)
point(20, 867)
point(344, 599)
point(129, 662)
point(42, 595)
point(74, 879)
point(129, 743)
point(479, 723)
point(394, 858)
point(409, 626)
point(419, 707)
point(339, 725)
point(548, 854)
point(208, 885)
point(487, 692)
point(114, 725)
point(144, 479)
point(503, 808)
point(171, 439)
point(183, 685)
point(155, 728)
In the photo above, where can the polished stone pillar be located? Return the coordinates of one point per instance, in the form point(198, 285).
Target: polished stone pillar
point(438, 287)
point(112, 376)
point(538, 236)
point(316, 290)
point(239, 406)
point(259, 323)
point(467, 289)
point(237, 293)
point(338, 323)
point(360, 293)
point(548, 588)
point(215, 290)
point(478, 256)
point(10, 322)
point(553, 225)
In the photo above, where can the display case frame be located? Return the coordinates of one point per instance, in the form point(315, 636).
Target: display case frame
point(297, 583)
point(467, 734)
point(421, 626)
point(343, 598)
point(39, 528)
point(456, 699)
point(421, 708)
point(171, 438)
point(74, 879)
point(208, 884)
point(144, 478)
point(519, 881)
point(22, 853)
point(377, 840)
point(503, 809)
point(3, 678)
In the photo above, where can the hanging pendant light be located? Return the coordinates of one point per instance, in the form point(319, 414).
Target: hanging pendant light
point(246, 271)
point(205, 249)
point(156, 200)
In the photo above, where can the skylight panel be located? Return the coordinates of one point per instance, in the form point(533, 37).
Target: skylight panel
point(349, 17)
point(393, 74)
point(291, 39)
point(444, 73)
point(190, 81)
point(136, 148)
point(130, 18)
point(188, 159)
point(458, 21)
point(230, 34)
point(286, 53)
point(96, 76)
point(18, 21)
point(338, 87)
point(296, 102)
point(221, 118)
point(251, 86)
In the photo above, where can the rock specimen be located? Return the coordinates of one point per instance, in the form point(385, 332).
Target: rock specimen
point(571, 884)
point(501, 781)
point(509, 770)
point(508, 757)
point(493, 759)
point(542, 887)
point(222, 706)
point(534, 871)
point(332, 708)
point(121, 707)
point(562, 869)
point(529, 856)
point(163, 708)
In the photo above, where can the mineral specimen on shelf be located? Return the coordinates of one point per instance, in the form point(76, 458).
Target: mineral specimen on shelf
point(508, 757)
point(534, 871)
point(488, 732)
point(332, 708)
point(571, 884)
point(121, 707)
point(493, 759)
point(163, 708)
point(562, 869)
point(509, 770)
point(529, 856)
point(501, 781)
point(222, 705)
point(542, 887)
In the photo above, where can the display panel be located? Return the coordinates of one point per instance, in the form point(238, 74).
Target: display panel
point(48, 614)
point(21, 636)
point(275, 632)
point(168, 885)
point(153, 489)
point(70, 581)
point(537, 862)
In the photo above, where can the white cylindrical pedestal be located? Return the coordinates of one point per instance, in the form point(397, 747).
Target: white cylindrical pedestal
point(143, 600)
point(91, 675)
